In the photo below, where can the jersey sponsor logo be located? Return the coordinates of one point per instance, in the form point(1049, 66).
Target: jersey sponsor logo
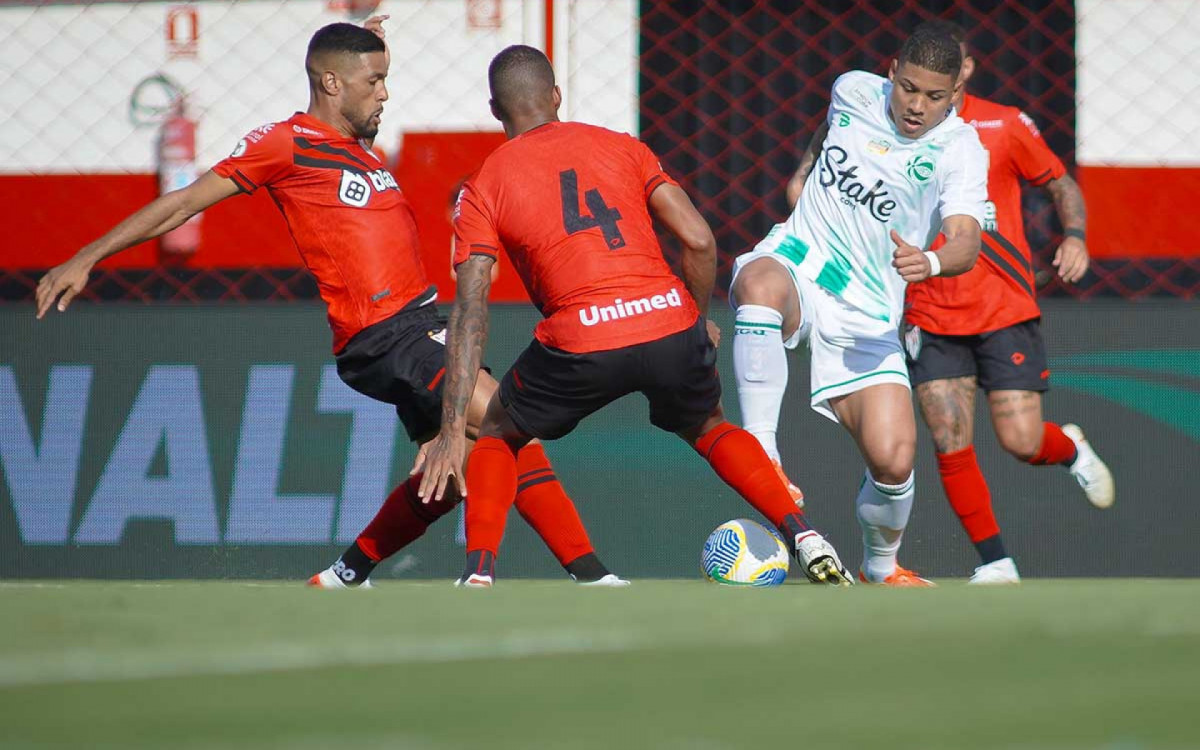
point(843, 120)
point(864, 97)
point(304, 131)
point(834, 174)
point(986, 124)
point(1029, 123)
point(355, 190)
point(256, 135)
point(879, 147)
point(919, 168)
point(239, 149)
point(627, 309)
point(989, 216)
point(355, 187)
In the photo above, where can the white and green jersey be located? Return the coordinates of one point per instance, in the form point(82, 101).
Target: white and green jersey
point(868, 180)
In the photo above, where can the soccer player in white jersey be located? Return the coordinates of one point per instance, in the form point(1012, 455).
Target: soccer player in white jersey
point(894, 166)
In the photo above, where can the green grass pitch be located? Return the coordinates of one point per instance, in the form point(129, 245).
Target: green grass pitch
point(1052, 665)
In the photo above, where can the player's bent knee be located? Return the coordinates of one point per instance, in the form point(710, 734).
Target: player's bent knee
point(764, 282)
point(1021, 446)
point(892, 464)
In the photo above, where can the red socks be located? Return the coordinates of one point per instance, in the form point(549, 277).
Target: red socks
point(968, 493)
point(492, 487)
point(545, 506)
point(402, 519)
point(1057, 448)
point(740, 462)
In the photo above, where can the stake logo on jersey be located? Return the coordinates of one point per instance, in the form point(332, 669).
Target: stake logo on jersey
point(854, 193)
point(872, 180)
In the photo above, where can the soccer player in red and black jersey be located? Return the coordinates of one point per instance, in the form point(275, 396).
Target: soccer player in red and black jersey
point(568, 203)
point(981, 330)
point(356, 234)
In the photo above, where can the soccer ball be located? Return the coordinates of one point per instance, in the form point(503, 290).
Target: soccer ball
point(744, 553)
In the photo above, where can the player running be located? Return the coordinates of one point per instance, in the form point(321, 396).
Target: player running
point(356, 234)
point(568, 203)
point(894, 166)
point(982, 329)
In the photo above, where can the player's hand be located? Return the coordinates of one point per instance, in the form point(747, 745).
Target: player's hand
point(419, 461)
point(1071, 259)
point(909, 261)
point(374, 24)
point(714, 333)
point(445, 458)
point(67, 279)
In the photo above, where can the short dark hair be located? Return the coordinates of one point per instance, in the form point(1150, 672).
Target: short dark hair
point(956, 32)
point(343, 37)
point(519, 72)
point(933, 47)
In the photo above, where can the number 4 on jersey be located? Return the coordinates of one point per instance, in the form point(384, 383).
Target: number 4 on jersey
point(603, 215)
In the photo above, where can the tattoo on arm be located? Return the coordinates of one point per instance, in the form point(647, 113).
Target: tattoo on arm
point(1068, 201)
point(468, 332)
point(949, 409)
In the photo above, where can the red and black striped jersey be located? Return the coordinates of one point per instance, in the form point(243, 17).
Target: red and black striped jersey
point(353, 227)
point(999, 291)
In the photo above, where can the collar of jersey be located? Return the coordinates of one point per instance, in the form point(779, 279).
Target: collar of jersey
point(321, 126)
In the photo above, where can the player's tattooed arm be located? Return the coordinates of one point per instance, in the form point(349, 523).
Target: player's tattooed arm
point(796, 185)
point(1071, 258)
point(948, 407)
point(466, 337)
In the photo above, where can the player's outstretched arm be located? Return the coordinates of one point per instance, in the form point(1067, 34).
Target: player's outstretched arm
point(698, 261)
point(66, 280)
point(795, 185)
point(445, 457)
point(1071, 258)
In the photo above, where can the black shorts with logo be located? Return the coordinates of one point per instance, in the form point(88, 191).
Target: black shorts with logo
point(1012, 358)
point(548, 391)
point(401, 361)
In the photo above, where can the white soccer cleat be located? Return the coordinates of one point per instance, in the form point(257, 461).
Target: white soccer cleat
point(1091, 473)
point(474, 581)
point(1002, 572)
point(612, 580)
point(820, 561)
point(329, 579)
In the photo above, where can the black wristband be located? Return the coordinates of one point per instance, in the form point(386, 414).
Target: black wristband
point(1076, 233)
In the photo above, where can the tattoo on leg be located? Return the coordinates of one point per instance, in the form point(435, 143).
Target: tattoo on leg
point(948, 407)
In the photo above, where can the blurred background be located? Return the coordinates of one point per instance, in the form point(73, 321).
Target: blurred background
point(184, 419)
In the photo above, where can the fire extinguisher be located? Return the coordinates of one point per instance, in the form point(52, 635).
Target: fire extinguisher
point(177, 169)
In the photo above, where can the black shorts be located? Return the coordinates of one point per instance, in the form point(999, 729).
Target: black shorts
point(548, 391)
point(1008, 359)
point(401, 361)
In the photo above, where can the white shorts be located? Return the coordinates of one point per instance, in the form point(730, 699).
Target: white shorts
point(849, 349)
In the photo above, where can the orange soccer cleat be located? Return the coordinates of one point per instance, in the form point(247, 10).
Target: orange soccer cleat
point(793, 490)
point(900, 578)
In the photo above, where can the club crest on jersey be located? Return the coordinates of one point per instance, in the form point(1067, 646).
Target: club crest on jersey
point(834, 174)
point(355, 190)
point(919, 168)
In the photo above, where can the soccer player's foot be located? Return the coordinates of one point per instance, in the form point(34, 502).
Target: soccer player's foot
point(996, 573)
point(793, 490)
point(900, 578)
point(480, 572)
point(1091, 473)
point(474, 581)
point(329, 579)
point(820, 560)
point(611, 580)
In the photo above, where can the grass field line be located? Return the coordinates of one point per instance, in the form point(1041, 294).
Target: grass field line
point(106, 665)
